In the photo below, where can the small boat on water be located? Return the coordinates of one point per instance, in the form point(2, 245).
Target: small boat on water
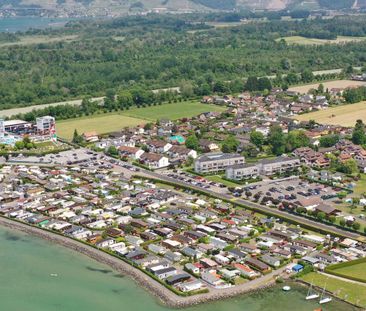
point(54, 274)
point(311, 294)
point(286, 288)
point(324, 299)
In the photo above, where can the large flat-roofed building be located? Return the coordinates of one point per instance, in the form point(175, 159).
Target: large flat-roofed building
point(278, 165)
point(244, 171)
point(270, 167)
point(16, 126)
point(215, 162)
point(45, 125)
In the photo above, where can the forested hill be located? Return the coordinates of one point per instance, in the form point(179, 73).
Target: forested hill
point(115, 7)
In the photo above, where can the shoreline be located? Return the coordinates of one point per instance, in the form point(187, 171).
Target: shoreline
point(164, 295)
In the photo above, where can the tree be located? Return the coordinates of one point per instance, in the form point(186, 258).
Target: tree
point(264, 84)
point(342, 222)
point(349, 167)
point(77, 139)
point(125, 99)
point(358, 134)
point(19, 145)
point(112, 151)
point(329, 140)
point(192, 142)
point(148, 126)
point(321, 88)
point(307, 76)
point(257, 139)
point(251, 84)
point(277, 139)
point(297, 139)
point(356, 226)
point(230, 145)
point(321, 216)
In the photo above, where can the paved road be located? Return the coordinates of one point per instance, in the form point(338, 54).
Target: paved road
point(312, 224)
point(275, 212)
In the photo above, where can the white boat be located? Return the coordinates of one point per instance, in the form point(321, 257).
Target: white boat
point(53, 274)
point(324, 299)
point(286, 288)
point(311, 294)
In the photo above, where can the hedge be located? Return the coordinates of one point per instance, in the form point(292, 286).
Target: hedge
point(332, 269)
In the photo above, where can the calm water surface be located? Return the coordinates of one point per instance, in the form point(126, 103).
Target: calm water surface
point(14, 24)
point(84, 285)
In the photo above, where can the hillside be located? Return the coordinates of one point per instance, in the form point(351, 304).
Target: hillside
point(118, 7)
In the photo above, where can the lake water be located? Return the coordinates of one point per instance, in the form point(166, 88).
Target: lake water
point(14, 24)
point(84, 285)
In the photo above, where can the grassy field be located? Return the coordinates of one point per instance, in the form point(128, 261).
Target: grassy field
point(360, 186)
point(351, 292)
point(172, 111)
point(28, 40)
point(105, 123)
point(357, 270)
point(327, 85)
point(218, 179)
point(345, 115)
point(312, 41)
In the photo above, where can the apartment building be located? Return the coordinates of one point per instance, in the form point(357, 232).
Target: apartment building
point(215, 162)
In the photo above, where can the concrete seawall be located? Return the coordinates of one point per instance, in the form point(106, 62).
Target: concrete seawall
point(164, 295)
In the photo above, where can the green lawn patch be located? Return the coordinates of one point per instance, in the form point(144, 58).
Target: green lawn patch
point(101, 123)
point(360, 186)
point(172, 111)
point(348, 291)
point(219, 179)
point(116, 121)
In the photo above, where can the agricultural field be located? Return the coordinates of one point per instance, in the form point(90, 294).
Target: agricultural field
point(172, 111)
point(105, 123)
point(313, 41)
point(357, 271)
point(349, 291)
point(303, 89)
point(29, 40)
point(345, 115)
point(102, 123)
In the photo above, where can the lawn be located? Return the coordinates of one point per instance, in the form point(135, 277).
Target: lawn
point(353, 293)
point(103, 123)
point(358, 271)
point(345, 115)
point(219, 179)
point(313, 41)
point(172, 111)
point(360, 186)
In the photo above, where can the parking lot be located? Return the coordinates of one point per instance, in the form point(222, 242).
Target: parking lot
point(292, 190)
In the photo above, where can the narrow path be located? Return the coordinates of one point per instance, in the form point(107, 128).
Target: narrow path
point(342, 279)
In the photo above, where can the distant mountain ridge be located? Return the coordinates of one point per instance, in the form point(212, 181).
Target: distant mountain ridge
point(110, 7)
